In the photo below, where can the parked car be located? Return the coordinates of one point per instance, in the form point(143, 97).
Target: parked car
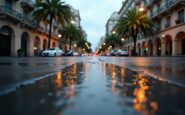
point(68, 53)
point(122, 53)
point(76, 54)
point(114, 53)
point(107, 54)
point(52, 52)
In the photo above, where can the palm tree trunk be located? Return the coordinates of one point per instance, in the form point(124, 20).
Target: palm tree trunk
point(70, 43)
point(65, 44)
point(50, 27)
point(134, 50)
point(113, 46)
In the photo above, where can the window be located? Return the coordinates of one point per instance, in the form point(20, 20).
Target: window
point(158, 8)
point(158, 26)
point(151, 13)
point(9, 3)
point(180, 16)
point(168, 24)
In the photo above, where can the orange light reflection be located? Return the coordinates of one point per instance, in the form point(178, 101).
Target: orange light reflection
point(141, 95)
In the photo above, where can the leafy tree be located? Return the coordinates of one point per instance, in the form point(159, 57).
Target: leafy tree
point(52, 10)
point(84, 44)
point(134, 23)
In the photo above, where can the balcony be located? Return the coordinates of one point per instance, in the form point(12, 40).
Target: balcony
point(175, 4)
point(155, 1)
point(39, 28)
point(27, 5)
point(167, 25)
point(28, 22)
point(157, 29)
point(46, 30)
point(179, 21)
point(9, 13)
point(55, 24)
point(166, 9)
point(138, 2)
point(149, 4)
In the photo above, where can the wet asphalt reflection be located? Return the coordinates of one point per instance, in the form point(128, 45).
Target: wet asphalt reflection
point(95, 88)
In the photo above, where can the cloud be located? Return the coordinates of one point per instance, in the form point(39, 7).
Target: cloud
point(94, 15)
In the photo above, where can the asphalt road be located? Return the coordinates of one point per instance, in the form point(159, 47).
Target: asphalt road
point(92, 86)
point(169, 69)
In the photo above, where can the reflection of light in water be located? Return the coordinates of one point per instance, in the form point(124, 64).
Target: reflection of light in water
point(141, 95)
point(70, 82)
point(122, 72)
point(113, 86)
point(59, 80)
point(114, 79)
point(74, 68)
point(70, 91)
point(122, 76)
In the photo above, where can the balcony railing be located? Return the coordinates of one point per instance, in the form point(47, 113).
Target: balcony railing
point(138, 2)
point(164, 9)
point(148, 3)
point(157, 28)
point(29, 22)
point(28, 4)
point(180, 20)
point(167, 25)
point(6, 10)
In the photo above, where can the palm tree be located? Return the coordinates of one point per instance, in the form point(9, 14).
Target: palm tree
point(132, 24)
point(52, 10)
point(72, 33)
point(113, 40)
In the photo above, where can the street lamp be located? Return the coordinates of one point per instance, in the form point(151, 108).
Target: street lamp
point(59, 35)
point(75, 45)
point(163, 35)
point(113, 32)
point(35, 48)
point(72, 21)
point(122, 39)
point(141, 9)
point(104, 43)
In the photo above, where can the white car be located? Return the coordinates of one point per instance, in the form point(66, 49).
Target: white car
point(75, 54)
point(52, 52)
point(122, 53)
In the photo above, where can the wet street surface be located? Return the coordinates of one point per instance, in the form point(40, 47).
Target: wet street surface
point(89, 86)
point(169, 69)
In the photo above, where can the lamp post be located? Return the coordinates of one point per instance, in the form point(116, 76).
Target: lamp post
point(113, 32)
point(72, 21)
point(59, 35)
point(141, 9)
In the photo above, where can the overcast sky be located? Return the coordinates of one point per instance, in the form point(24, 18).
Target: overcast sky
point(94, 15)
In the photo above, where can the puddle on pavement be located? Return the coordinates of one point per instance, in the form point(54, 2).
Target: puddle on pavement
point(95, 89)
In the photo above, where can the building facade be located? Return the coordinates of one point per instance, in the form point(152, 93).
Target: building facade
point(168, 17)
point(111, 23)
point(18, 30)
